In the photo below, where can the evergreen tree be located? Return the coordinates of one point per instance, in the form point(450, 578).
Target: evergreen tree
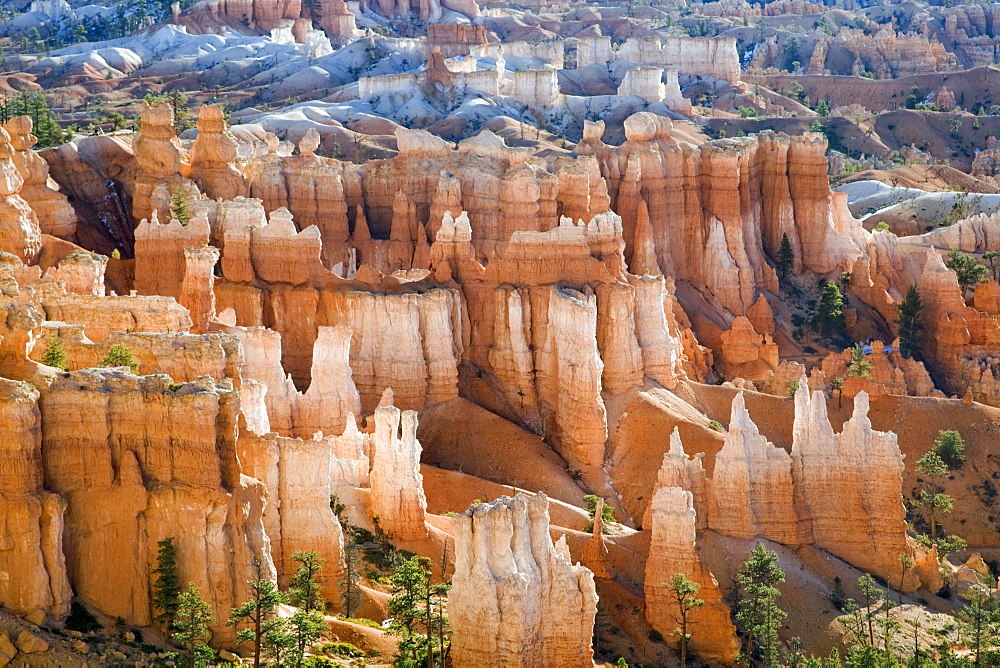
point(55, 354)
point(830, 315)
point(418, 610)
point(932, 500)
point(859, 364)
point(408, 583)
point(191, 625)
point(306, 624)
point(120, 355)
point(265, 630)
point(179, 206)
point(683, 592)
point(979, 621)
point(968, 271)
point(758, 613)
point(823, 109)
point(166, 588)
point(786, 257)
point(950, 447)
point(910, 323)
point(350, 585)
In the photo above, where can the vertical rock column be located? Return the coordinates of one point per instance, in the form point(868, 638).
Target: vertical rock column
point(19, 231)
point(848, 487)
point(32, 567)
point(672, 550)
point(397, 486)
point(569, 371)
point(751, 494)
point(516, 599)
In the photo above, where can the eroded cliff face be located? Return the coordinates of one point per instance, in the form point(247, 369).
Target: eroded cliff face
point(839, 492)
point(751, 192)
point(32, 518)
point(54, 212)
point(136, 462)
point(396, 483)
point(517, 599)
point(848, 486)
point(672, 550)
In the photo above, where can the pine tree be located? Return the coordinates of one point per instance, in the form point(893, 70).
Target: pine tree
point(759, 614)
point(822, 109)
point(786, 257)
point(306, 624)
point(418, 610)
point(191, 624)
point(683, 592)
point(830, 314)
point(166, 588)
point(120, 355)
point(350, 586)
point(55, 354)
point(408, 584)
point(933, 502)
point(179, 206)
point(859, 364)
point(910, 323)
point(979, 621)
point(950, 447)
point(968, 271)
point(264, 627)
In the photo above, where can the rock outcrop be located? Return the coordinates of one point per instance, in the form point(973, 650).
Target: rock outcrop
point(20, 233)
point(751, 493)
point(848, 487)
point(31, 518)
point(396, 483)
point(672, 550)
point(517, 599)
point(52, 208)
point(142, 462)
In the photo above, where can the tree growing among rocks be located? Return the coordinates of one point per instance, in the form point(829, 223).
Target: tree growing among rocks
point(306, 623)
point(933, 502)
point(193, 615)
point(166, 588)
point(683, 592)
point(910, 323)
point(120, 355)
point(759, 614)
point(786, 257)
point(55, 354)
point(968, 271)
point(950, 447)
point(263, 626)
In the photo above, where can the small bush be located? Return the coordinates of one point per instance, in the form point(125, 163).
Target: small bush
point(590, 504)
point(342, 649)
point(120, 355)
point(717, 426)
point(81, 620)
point(55, 355)
point(950, 447)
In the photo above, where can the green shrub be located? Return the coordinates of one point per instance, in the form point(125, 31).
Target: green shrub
point(717, 426)
point(120, 355)
point(950, 447)
point(342, 649)
point(55, 355)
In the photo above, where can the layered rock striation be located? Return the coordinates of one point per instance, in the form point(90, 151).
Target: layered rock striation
point(517, 599)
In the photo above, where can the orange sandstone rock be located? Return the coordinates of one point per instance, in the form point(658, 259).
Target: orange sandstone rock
point(672, 550)
point(516, 599)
